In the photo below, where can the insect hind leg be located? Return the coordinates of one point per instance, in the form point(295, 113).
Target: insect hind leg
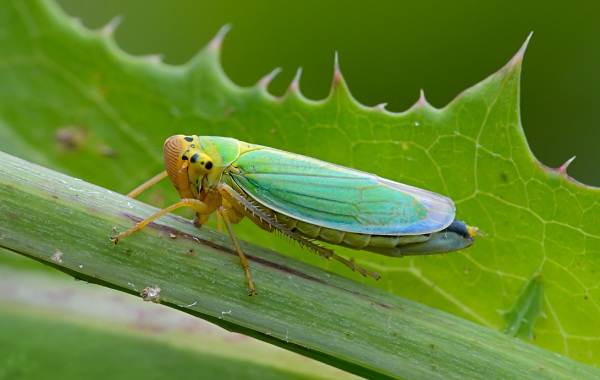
point(268, 221)
point(223, 212)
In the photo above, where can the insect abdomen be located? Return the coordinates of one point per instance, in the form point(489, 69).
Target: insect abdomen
point(376, 243)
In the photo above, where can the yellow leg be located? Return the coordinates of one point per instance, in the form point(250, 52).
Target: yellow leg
point(243, 258)
point(267, 222)
point(195, 204)
point(219, 222)
point(148, 184)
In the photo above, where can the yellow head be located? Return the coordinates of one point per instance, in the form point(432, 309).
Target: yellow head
point(187, 165)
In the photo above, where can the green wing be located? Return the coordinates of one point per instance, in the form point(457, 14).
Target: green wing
point(340, 198)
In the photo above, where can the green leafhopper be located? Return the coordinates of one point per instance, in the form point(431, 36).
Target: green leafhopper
point(305, 199)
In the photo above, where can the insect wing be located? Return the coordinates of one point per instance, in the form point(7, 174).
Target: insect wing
point(340, 198)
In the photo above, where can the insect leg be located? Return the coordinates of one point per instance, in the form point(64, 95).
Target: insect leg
point(148, 184)
point(198, 206)
point(264, 219)
point(243, 258)
point(219, 222)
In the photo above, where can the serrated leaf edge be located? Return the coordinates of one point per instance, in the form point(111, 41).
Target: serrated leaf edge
point(211, 54)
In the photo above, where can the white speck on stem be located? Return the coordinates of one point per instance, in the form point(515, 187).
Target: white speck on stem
point(57, 257)
point(190, 305)
point(223, 313)
point(151, 293)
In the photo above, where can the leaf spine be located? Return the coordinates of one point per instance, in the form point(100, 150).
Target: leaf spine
point(295, 83)
point(109, 29)
point(217, 41)
point(562, 169)
point(263, 83)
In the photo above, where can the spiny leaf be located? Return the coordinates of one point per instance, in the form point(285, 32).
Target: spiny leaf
point(537, 221)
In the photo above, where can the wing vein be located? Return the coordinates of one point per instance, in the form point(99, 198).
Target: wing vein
point(339, 198)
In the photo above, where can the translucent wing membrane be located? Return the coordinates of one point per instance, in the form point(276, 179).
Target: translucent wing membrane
point(340, 198)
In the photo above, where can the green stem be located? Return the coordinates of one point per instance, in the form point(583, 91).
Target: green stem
point(66, 223)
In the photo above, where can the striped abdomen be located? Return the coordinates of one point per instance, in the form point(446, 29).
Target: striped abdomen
point(452, 238)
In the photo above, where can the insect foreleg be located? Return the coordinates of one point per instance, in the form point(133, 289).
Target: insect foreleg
point(148, 184)
point(198, 206)
point(243, 259)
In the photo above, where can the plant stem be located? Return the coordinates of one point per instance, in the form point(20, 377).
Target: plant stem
point(66, 223)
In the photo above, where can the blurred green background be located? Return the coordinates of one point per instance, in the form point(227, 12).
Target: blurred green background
point(391, 49)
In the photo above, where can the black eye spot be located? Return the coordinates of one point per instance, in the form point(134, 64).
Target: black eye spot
point(184, 158)
point(194, 158)
point(188, 138)
point(208, 165)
